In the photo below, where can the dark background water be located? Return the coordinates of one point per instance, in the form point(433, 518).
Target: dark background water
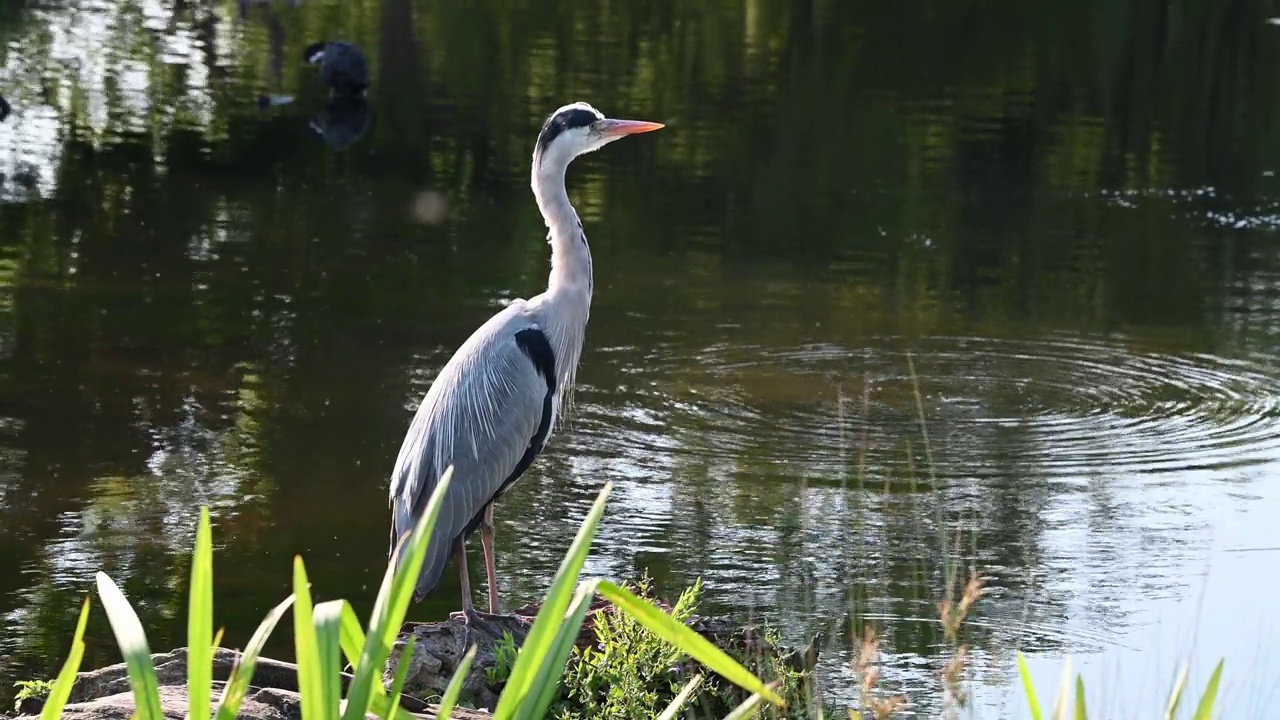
point(1064, 214)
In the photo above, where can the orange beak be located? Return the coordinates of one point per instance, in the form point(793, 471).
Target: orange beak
point(618, 128)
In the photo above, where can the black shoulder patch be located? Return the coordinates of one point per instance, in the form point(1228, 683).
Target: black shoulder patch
point(533, 342)
point(561, 121)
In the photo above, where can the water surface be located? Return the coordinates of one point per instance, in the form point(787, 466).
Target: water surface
point(1059, 224)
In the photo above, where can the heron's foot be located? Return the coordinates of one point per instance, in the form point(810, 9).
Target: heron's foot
point(476, 614)
point(474, 621)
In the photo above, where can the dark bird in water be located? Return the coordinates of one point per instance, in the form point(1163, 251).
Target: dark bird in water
point(4, 109)
point(343, 66)
point(492, 407)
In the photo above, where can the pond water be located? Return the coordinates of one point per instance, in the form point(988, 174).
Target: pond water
point(1058, 221)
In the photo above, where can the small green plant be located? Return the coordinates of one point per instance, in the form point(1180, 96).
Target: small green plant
point(628, 673)
point(31, 690)
point(504, 658)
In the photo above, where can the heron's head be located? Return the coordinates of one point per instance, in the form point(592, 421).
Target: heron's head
point(578, 128)
point(314, 52)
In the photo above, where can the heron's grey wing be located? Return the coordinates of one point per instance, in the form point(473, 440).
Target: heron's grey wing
point(487, 414)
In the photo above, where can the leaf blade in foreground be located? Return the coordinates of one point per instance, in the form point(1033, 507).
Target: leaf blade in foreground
point(1029, 687)
point(200, 622)
point(1204, 710)
point(132, 640)
point(556, 659)
point(62, 685)
point(542, 634)
point(307, 655)
point(234, 691)
point(454, 689)
point(392, 603)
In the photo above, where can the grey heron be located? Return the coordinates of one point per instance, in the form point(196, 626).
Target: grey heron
point(343, 66)
point(491, 408)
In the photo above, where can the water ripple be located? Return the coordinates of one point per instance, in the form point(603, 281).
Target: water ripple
point(1073, 406)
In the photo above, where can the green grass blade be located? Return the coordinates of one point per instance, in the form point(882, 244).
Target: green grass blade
point(1204, 710)
point(749, 707)
point(1175, 695)
point(538, 643)
point(132, 640)
point(310, 684)
point(397, 683)
point(686, 640)
point(1064, 697)
point(238, 683)
point(1081, 712)
point(679, 701)
point(452, 692)
point(200, 623)
point(328, 621)
point(547, 681)
point(386, 706)
point(393, 602)
point(67, 676)
point(1029, 687)
point(351, 638)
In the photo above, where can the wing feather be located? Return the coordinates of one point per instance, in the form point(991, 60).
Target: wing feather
point(480, 415)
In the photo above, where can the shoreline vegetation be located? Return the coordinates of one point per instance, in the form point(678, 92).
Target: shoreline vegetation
point(591, 648)
point(618, 653)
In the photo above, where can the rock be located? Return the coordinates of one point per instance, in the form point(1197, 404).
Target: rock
point(104, 694)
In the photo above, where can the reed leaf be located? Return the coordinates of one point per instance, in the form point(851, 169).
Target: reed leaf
point(1029, 687)
point(132, 640)
point(547, 680)
point(538, 644)
point(1204, 710)
point(454, 689)
point(62, 685)
point(327, 622)
point(391, 605)
point(310, 684)
point(200, 623)
point(1081, 712)
point(238, 682)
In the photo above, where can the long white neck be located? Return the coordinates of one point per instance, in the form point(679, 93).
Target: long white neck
point(567, 301)
point(570, 254)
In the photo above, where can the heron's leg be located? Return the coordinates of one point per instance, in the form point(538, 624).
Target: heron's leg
point(460, 552)
point(472, 620)
point(486, 539)
point(468, 611)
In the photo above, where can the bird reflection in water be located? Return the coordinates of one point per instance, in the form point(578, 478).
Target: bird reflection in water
point(343, 121)
point(4, 109)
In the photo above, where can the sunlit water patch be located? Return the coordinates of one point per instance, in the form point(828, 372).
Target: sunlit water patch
point(1087, 477)
point(1077, 406)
